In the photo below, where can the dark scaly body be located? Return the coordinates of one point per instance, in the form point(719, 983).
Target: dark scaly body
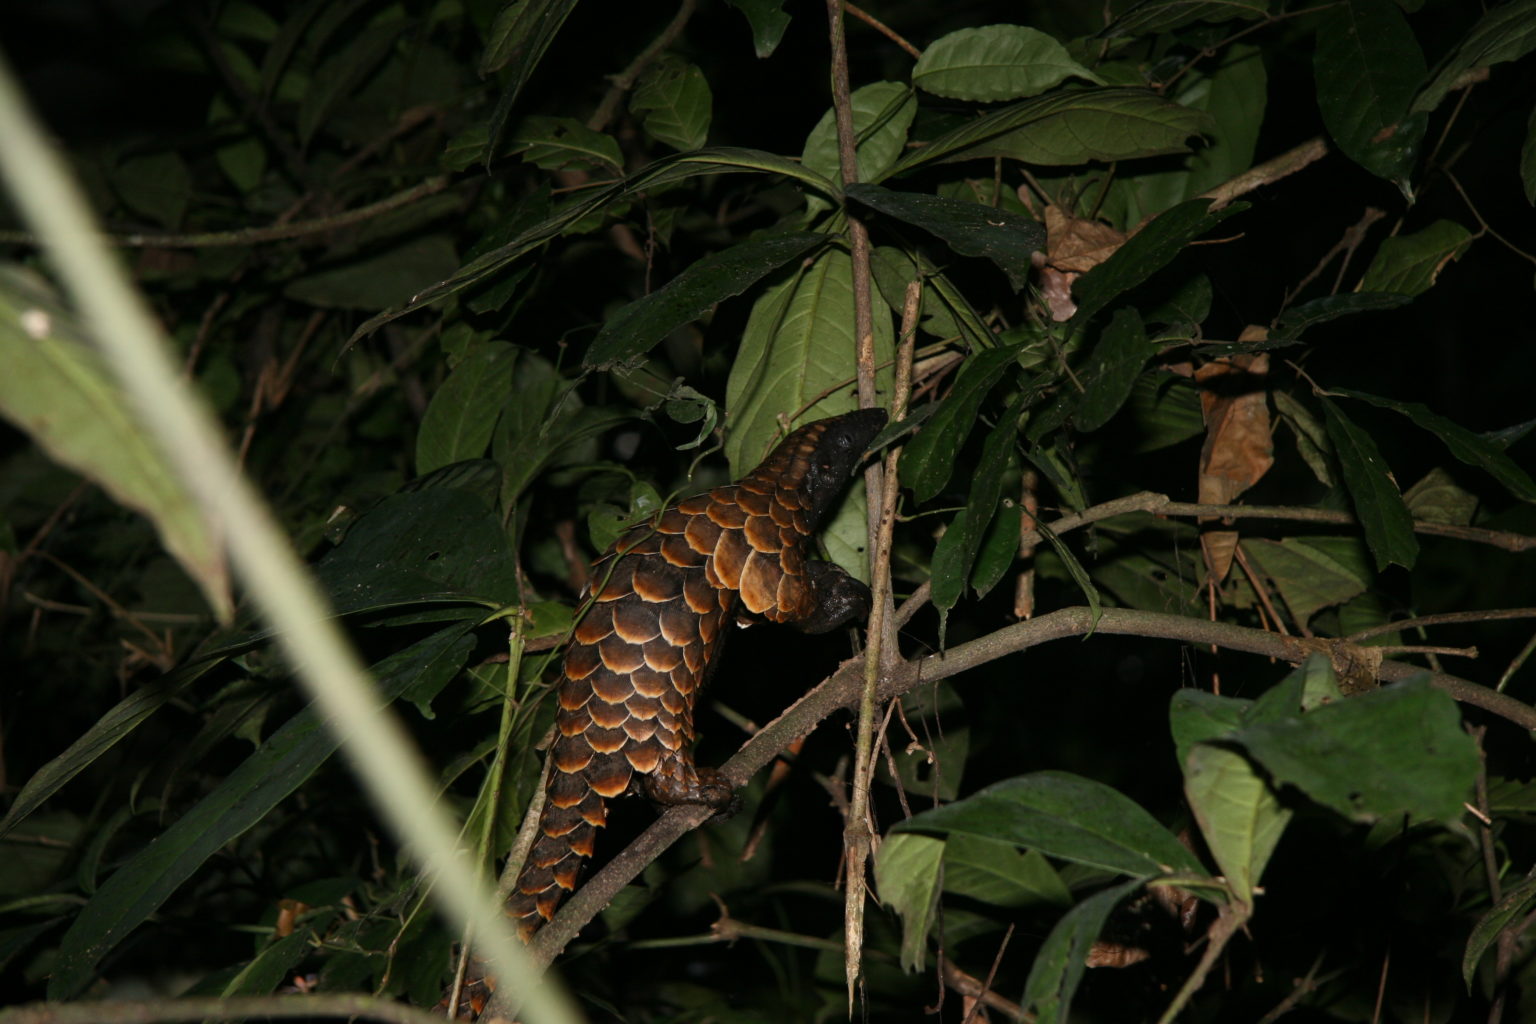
point(639, 656)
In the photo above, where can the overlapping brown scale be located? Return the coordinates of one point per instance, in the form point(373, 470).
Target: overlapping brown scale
point(731, 552)
point(634, 620)
point(611, 579)
point(763, 534)
point(619, 656)
point(610, 688)
point(580, 661)
point(759, 586)
point(594, 625)
point(702, 533)
point(677, 551)
point(753, 501)
point(724, 511)
point(656, 583)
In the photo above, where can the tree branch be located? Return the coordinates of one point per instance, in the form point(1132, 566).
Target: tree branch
point(145, 1011)
point(842, 690)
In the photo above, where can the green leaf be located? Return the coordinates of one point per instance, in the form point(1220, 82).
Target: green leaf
point(1059, 966)
point(999, 549)
point(1165, 409)
point(882, 114)
point(955, 554)
point(970, 229)
point(289, 757)
point(1378, 505)
point(158, 186)
point(1145, 253)
point(673, 101)
point(929, 458)
point(124, 717)
point(458, 422)
point(665, 171)
point(1514, 904)
point(798, 347)
point(1066, 816)
point(1438, 498)
point(1151, 16)
point(1474, 450)
point(1368, 66)
point(907, 872)
point(339, 77)
point(1291, 324)
point(768, 22)
point(1528, 159)
point(555, 143)
point(436, 545)
point(639, 326)
point(1311, 573)
point(1409, 264)
point(1196, 716)
point(269, 968)
point(995, 62)
point(1070, 128)
point(56, 389)
point(1388, 752)
point(378, 280)
point(1506, 33)
point(520, 35)
point(1240, 818)
point(1112, 369)
point(1000, 874)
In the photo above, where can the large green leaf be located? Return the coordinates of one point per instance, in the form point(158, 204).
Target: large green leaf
point(636, 328)
point(667, 171)
point(907, 873)
point(1394, 751)
point(1515, 903)
point(56, 389)
point(1505, 33)
point(280, 765)
point(928, 460)
point(1112, 369)
point(1240, 817)
point(1058, 967)
point(462, 414)
point(109, 730)
point(1368, 67)
point(1067, 128)
point(1378, 504)
point(970, 229)
point(378, 279)
point(519, 37)
point(1071, 128)
point(1145, 253)
point(673, 101)
point(797, 357)
point(882, 114)
point(1293, 322)
point(432, 545)
point(768, 22)
point(1311, 573)
point(1409, 264)
point(1473, 449)
point(956, 551)
point(1066, 816)
point(995, 62)
point(1151, 16)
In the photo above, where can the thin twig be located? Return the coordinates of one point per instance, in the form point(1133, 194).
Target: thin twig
point(857, 833)
point(881, 27)
point(148, 1011)
point(625, 80)
point(257, 236)
point(1491, 615)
